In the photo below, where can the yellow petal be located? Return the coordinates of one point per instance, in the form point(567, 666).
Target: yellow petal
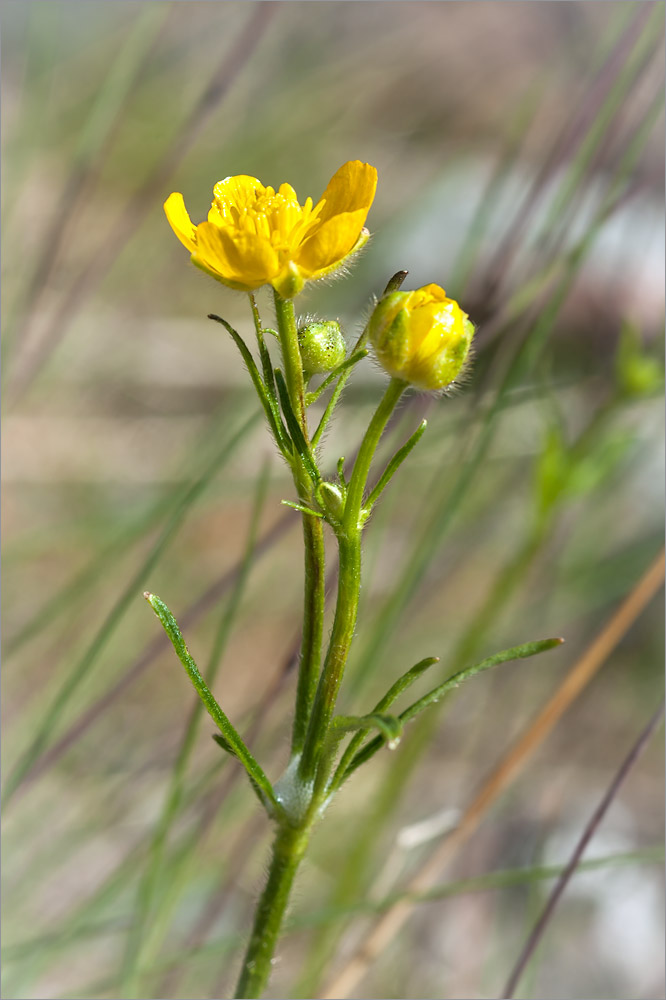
point(350, 189)
point(330, 243)
point(214, 215)
point(238, 193)
point(180, 221)
point(244, 259)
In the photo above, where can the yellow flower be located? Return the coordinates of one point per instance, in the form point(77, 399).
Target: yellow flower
point(258, 236)
point(422, 337)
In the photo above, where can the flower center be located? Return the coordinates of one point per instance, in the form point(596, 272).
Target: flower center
point(274, 216)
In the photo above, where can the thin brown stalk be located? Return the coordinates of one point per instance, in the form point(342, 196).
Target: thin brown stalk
point(390, 923)
point(571, 134)
point(143, 200)
point(589, 831)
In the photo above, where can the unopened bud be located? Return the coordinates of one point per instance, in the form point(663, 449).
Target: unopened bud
point(331, 500)
point(322, 346)
point(422, 337)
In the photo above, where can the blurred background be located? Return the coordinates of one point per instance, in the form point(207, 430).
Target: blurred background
point(520, 156)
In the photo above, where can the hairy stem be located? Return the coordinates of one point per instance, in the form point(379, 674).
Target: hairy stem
point(313, 532)
point(288, 850)
point(349, 586)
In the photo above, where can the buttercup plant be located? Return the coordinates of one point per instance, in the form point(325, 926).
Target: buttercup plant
point(256, 236)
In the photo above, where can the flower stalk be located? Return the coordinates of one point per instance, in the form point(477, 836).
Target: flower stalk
point(349, 587)
point(313, 531)
point(289, 847)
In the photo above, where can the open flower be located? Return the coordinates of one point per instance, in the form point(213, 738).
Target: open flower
point(421, 337)
point(257, 236)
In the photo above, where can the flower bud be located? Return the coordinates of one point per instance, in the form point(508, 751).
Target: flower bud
point(322, 347)
point(422, 337)
point(331, 500)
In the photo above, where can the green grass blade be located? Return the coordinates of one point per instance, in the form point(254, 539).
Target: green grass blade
point(503, 879)
point(83, 667)
point(134, 957)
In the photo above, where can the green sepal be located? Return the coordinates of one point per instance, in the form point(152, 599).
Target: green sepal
point(295, 430)
point(232, 741)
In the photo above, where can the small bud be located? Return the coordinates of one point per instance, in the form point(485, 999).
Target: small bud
point(331, 500)
point(422, 337)
point(322, 347)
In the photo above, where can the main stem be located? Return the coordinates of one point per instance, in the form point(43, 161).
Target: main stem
point(313, 532)
point(349, 588)
point(291, 841)
point(288, 849)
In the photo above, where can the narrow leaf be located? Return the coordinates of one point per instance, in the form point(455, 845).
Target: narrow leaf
point(295, 429)
point(301, 508)
point(515, 653)
point(266, 398)
point(259, 780)
point(391, 695)
point(394, 465)
point(349, 362)
point(224, 743)
point(389, 726)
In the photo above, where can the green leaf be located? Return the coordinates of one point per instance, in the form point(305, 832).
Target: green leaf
point(300, 507)
point(403, 682)
point(259, 781)
point(349, 362)
point(389, 726)
point(295, 429)
point(515, 653)
point(224, 743)
point(393, 466)
point(266, 398)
